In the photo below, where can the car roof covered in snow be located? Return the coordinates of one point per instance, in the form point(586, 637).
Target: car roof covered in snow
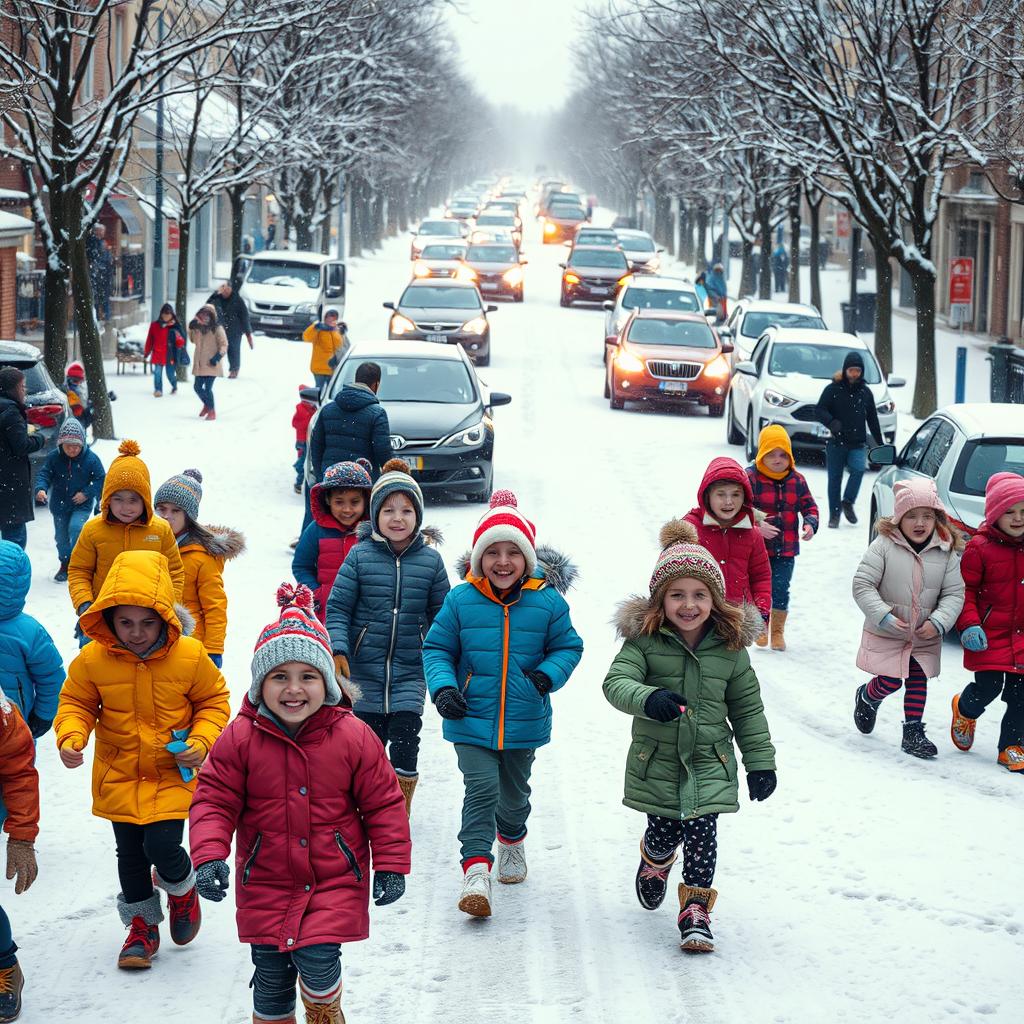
point(19, 350)
point(987, 419)
point(391, 349)
point(810, 336)
point(288, 256)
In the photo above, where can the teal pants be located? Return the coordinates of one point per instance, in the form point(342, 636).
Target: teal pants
point(497, 797)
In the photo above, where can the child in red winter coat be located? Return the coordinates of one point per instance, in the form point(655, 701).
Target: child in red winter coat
point(164, 342)
point(307, 791)
point(300, 421)
point(992, 622)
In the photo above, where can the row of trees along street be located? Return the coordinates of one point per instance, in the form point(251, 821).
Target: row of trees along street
point(300, 93)
point(756, 104)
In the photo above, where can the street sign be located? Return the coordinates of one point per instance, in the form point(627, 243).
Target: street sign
point(842, 223)
point(961, 288)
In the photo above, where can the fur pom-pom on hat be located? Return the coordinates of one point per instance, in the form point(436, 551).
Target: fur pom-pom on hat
point(128, 473)
point(129, 448)
point(677, 531)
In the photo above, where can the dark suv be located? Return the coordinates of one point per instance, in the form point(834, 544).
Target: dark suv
point(593, 273)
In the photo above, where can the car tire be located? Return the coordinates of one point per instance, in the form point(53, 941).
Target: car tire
point(518, 296)
point(607, 390)
point(732, 435)
point(716, 410)
point(564, 301)
point(615, 403)
point(750, 441)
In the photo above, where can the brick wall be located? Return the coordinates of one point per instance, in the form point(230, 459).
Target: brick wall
point(8, 296)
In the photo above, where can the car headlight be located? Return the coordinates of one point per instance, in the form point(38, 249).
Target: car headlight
point(467, 275)
point(402, 324)
point(309, 308)
point(513, 276)
point(467, 438)
point(420, 269)
point(717, 367)
point(571, 279)
point(478, 325)
point(627, 362)
point(549, 228)
point(778, 401)
point(886, 407)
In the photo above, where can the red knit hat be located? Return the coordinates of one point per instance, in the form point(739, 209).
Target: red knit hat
point(1002, 491)
point(504, 522)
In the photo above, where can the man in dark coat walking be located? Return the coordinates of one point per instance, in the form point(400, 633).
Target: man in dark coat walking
point(233, 315)
point(17, 440)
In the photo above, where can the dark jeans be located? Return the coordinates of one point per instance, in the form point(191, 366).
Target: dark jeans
point(322, 379)
point(67, 526)
point(781, 280)
point(986, 687)
point(840, 457)
point(300, 451)
point(273, 982)
point(497, 797)
point(307, 511)
point(203, 387)
point(698, 838)
point(17, 534)
point(400, 729)
point(234, 353)
point(7, 946)
point(140, 848)
point(782, 576)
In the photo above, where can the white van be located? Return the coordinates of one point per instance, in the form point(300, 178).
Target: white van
point(286, 290)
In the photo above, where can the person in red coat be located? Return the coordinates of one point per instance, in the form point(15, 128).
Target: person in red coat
point(992, 622)
point(311, 798)
point(300, 421)
point(165, 340)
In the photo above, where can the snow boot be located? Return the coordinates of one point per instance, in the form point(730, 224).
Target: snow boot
point(323, 1013)
point(407, 784)
point(12, 981)
point(915, 742)
point(652, 879)
point(297, 488)
point(205, 412)
point(851, 516)
point(695, 905)
point(865, 710)
point(62, 573)
point(961, 730)
point(475, 898)
point(182, 907)
point(211, 415)
point(762, 640)
point(257, 1019)
point(833, 522)
point(1012, 758)
point(779, 630)
point(158, 394)
point(141, 920)
point(511, 861)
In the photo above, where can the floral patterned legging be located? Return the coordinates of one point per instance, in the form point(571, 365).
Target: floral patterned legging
point(698, 838)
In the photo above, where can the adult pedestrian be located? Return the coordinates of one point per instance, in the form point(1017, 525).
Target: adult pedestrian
point(780, 267)
point(211, 345)
point(101, 270)
point(165, 344)
point(271, 231)
point(847, 408)
point(18, 438)
point(234, 318)
point(717, 291)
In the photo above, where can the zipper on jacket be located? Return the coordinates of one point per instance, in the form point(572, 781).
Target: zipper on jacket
point(465, 685)
point(504, 681)
point(247, 869)
point(21, 701)
point(394, 633)
point(359, 640)
point(987, 614)
point(349, 855)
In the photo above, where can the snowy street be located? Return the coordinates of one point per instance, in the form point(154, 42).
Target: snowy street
point(871, 886)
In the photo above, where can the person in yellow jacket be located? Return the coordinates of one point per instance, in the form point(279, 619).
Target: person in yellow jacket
point(204, 550)
point(329, 342)
point(126, 522)
point(142, 686)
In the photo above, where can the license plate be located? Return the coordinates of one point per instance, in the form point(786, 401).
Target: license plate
point(437, 337)
point(596, 289)
point(673, 387)
point(488, 286)
point(820, 430)
point(415, 461)
point(273, 321)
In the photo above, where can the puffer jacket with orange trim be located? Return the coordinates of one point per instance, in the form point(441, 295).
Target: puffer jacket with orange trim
point(203, 557)
point(19, 780)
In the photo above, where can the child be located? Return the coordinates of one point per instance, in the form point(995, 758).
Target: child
point(684, 676)
point(77, 391)
point(908, 586)
point(300, 421)
point(339, 505)
point(71, 479)
point(992, 623)
point(126, 522)
point(204, 550)
point(165, 339)
point(19, 788)
point(211, 346)
point(308, 795)
point(782, 494)
point(329, 345)
point(501, 644)
point(381, 605)
point(142, 680)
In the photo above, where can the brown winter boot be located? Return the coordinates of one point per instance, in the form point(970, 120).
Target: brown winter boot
point(762, 640)
point(695, 905)
point(257, 1019)
point(407, 783)
point(323, 1013)
point(12, 981)
point(778, 630)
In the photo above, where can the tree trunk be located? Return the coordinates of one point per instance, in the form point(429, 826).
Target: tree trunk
point(747, 267)
point(685, 248)
point(393, 210)
point(701, 255)
point(765, 220)
point(815, 223)
point(794, 240)
point(236, 196)
point(925, 392)
point(181, 288)
point(883, 309)
point(306, 198)
point(662, 219)
point(376, 210)
point(402, 209)
point(327, 205)
point(55, 319)
point(355, 231)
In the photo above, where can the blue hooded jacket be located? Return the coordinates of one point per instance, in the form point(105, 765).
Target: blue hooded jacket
point(62, 478)
point(353, 425)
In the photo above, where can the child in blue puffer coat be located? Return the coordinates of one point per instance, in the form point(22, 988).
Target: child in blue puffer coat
point(501, 645)
point(383, 601)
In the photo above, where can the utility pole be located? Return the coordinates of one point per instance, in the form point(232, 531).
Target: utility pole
point(854, 269)
point(158, 190)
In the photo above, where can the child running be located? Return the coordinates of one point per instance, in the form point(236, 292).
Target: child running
point(684, 676)
point(908, 586)
point(304, 789)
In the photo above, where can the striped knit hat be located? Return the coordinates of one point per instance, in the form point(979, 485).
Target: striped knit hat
point(682, 556)
point(184, 490)
point(296, 636)
point(504, 522)
point(394, 478)
point(71, 432)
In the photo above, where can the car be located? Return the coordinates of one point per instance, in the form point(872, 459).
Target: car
point(648, 292)
point(461, 209)
point(667, 356)
point(441, 414)
point(592, 273)
point(446, 312)
point(959, 447)
point(505, 205)
point(440, 259)
point(496, 269)
point(497, 236)
point(586, 234)
point(285, 290)
point(784, 378)
point(561, 221)
point(502, 219)
point(436, 231)
point(750, 317)
point(640, 250)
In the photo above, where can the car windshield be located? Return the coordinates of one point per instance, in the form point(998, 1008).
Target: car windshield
point(689, 333)
point(598, 258)
point(284, 274)
point(566, 212)
point(636, 244)
point(443, 252)
point(36, 377)
point(981, 459)
point(589, 237)
point(440, 227)
point(503, 219)
point(660, 298)
point(491, 254)
point(754, 324)
point(430, 297)
point(418, 379)
point(821, 362)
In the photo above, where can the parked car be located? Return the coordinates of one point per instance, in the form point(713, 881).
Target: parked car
point(750, 317)
point(440, 259)
point(667, 356)
point(436, 231)
point(649, 292)
point(561, 221)
point(496, 269)
point(441, 413)
point(959, 447)
point(446, 312)
point(592, 273)
point(783, 380)
point(640, 250)
point(285, 290)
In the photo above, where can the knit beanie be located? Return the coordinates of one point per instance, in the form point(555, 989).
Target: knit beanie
point(771, 437)
point(72, 432)
point(354, 476)
point(504, 522)
point(297, 635)
point(185, 491)
point(853, 358)
point(1002, 492)
point(682, 556)
point(917, 493)
point(128, 473)
point(395, 478)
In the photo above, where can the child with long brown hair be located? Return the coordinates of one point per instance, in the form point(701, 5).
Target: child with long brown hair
point(684, 675)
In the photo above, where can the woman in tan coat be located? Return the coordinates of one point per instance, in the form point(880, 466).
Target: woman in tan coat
point(211, 346)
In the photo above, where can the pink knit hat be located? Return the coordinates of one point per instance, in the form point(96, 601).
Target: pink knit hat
point(1002, 491)
point(917, 493)
point(504, 522)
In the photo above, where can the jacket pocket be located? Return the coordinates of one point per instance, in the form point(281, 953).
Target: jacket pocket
point(251, 859)
point(641, 754)
point(988, 612)
point(349, 855)
point(359, 639)
point(465, 686)
point(727, 758)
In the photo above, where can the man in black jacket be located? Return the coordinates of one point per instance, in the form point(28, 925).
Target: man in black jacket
point(17, 440)
point(847, 408)
point(234, 318)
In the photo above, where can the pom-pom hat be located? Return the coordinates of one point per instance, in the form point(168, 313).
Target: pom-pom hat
point(504, 522)
point(128, 473)
point(394, 479)
point(71, 432)
point(184, 490)
point(682, 556)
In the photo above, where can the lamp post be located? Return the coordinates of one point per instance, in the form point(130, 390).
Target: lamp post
point(158, 190)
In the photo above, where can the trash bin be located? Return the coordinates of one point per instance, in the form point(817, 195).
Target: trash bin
point(999, 383)
point(867, 302)
point(849, 327)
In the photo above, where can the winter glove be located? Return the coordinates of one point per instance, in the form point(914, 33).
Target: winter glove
point(664, 706)
point(540, 681)
point(217, 659)
point(38, 726)
point(82, 609)
point(341, 667)
point(21, 861)
point(836, 427)
point(450, 704)
point(761, 785)
point(212, 880)
point(388, 886)
point(973, 639)
point(217, 358)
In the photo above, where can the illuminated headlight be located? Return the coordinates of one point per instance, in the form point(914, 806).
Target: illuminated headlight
point(478, 325)
point(627, 362)
point(467, 438)
point(402, 324)
point(773, 398)
point(513, 276)
point(308, 308)
point(549, 228)
point(465, 274)
point(886, 407)
point(420, 269)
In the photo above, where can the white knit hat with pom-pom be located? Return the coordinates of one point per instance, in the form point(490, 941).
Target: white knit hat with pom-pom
point(504, 522)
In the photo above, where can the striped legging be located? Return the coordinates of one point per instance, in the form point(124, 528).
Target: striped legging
point(915, 690)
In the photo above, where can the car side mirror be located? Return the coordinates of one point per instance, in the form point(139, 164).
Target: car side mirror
point(490, 309)
point(334, 292)
point(388, 305)
point(523, 262)
point(747, 367)
point(896, 382)
point(727, 348)
point(562, 265)
point(883, 455)
point(310, 395)
point(661, 250)
point(499, 398)
point(608, 305)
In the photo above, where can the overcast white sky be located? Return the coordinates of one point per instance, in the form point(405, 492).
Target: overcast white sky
point(517, 51)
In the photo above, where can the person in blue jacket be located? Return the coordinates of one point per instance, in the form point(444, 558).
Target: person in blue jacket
point(384, 598)
point(502, 643)
point(71, 480)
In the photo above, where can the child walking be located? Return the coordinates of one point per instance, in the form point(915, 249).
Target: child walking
point(501, 645)
point(339, 504)
point(908, 586)
point(304, 411)
point(204, 550)
point(329, 342)
point(992, 622)
point(684, 675)
point(383, 601)
point(782, 494)
point(305, 790)
point(164, 341)
point(77, 390)
point(211, 346)
point(141, 682)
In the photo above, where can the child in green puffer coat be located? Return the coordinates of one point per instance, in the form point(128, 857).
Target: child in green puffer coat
point(685, 677)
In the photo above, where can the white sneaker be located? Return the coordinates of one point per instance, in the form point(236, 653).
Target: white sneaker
point(511, 862)
point(476, 891)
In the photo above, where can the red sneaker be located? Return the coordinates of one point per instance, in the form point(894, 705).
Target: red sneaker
point(141, 945)
point(185, 915)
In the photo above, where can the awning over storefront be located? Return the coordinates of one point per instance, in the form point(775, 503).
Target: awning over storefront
point(121, 207)
point(147, 203)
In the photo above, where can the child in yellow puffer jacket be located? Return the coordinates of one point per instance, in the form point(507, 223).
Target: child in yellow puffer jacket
point(204, 550)
point(141, 686)
point(329, 342)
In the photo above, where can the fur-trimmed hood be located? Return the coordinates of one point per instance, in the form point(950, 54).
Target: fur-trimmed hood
point(431, 535)
point(555, 568)
point(219, 541)
point(630, 615)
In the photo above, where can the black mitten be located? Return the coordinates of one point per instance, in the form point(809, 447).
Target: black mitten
point(450, 704)
point(664, 706)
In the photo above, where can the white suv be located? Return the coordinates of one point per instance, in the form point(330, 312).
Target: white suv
point(751, 317)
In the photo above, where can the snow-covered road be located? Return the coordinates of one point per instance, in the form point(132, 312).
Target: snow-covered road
point(871, 886)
